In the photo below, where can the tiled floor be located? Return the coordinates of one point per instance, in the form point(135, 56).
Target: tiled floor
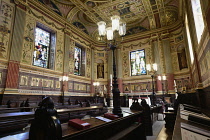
point(160, 132)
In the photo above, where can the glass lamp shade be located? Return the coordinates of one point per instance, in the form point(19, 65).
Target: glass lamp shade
point(115, 22)
point(101, 28)
point(154, 67)
point(164, 77)
point(148, 67)
point(63, 78)
point(109, 33)
point(95, 83)
point(122, 29)
point(159, 78)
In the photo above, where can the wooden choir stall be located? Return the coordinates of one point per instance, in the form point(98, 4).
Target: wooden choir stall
point(45, 123)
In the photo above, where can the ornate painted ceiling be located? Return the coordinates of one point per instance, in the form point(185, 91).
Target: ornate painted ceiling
point(139, 15)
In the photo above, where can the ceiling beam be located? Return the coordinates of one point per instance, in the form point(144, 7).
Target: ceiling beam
point(85, 10)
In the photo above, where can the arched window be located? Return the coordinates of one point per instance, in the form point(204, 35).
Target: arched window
point(77, 60)
point(137, 63)
point(42, 47)
point(198, 18)
point(189, 39)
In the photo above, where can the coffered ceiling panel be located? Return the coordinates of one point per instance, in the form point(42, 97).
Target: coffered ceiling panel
point(139, 15)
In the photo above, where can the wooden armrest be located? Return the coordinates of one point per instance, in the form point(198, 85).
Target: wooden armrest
point(168, 113)
point(125, 132)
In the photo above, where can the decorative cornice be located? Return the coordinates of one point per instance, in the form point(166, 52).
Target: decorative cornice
point(30, 11)
point(80, 39)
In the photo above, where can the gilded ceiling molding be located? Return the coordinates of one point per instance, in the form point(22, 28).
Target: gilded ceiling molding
point(138, 44)
point(86, 10)
point(102, 49)
point(170, 29)
point(79, 25)
point(67, 30)
point(25, 3)
point(30, 11)
point(72, 13)
point(150, 14)
point(173, 34)
point(80, 40)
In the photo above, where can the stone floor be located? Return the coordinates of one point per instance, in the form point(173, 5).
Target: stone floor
point(160, 132)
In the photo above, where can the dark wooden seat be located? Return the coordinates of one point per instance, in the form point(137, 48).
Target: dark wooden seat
point(170, 118)
point(11, 122)
point(126, 127)
point(131, 132)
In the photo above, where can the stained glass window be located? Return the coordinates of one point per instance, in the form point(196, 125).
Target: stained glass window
point(77, 60)
point(41, 49)
point(137, 62)
point(198, 18)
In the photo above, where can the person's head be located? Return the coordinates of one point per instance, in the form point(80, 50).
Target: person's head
point(143, 102)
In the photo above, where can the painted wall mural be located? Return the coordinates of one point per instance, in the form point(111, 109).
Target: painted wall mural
point(59, 51)
point(182, 60)
point(125, 63)
point(50, 4)
point(48, 83)
point(35, 81)
point(80, 87)
point(23, 80)
point(80, 26)
point(137, 87)
point(88, 62)
point(71, 57)
point(135, 30)
point(38, 18)
point(58, 84)
point(6, 21)
point(28, 41)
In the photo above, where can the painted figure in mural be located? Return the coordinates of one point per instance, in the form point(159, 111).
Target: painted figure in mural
point(182, 60)
point(138, 62)
point(76, 64)
point(100, 71)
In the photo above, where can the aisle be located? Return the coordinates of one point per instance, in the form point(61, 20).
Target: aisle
point(160, 132)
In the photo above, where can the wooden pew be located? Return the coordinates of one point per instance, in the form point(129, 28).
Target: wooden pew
point(9, 110)
point(186, 127)
point(101, 130)
point(124, 128)
point(11, 122)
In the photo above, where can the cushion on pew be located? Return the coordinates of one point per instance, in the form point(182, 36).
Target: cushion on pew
point(111, 116)
point(79, 124)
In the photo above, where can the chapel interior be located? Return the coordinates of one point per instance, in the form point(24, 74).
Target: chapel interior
point(56, 52)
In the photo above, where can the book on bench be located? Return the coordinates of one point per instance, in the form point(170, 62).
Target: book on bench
point(79, 124)
point(111, 116)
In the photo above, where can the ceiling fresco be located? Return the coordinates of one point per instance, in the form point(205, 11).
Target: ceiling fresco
point(139, 15)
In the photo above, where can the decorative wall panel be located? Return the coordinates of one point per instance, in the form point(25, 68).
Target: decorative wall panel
point(59, 54)
point(6, 23)
point(28, 40)
point(71, 57)
point(88, 62)
point(59, 51)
